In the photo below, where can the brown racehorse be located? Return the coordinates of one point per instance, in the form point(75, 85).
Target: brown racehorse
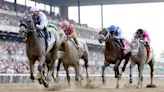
point(113, 54)
point(72, 56)
point(35, 49)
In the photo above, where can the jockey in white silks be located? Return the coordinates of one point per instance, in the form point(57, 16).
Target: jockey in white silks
point(41, 22)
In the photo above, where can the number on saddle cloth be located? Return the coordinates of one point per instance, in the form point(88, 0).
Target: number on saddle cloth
point(53, 26)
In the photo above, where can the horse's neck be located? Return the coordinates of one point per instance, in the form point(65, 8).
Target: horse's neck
point(69, 46)
point(109, 44)
point(142, 47)
point(31, 38)
point(65, 47)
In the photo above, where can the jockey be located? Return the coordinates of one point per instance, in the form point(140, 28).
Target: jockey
point(116, 32)
point(143, 35)
point(40, 21)
point(69, 31)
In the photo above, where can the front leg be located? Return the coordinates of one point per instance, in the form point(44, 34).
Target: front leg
point(41, 70)
point(32, 69)
point(103, 71)
point(132, 64)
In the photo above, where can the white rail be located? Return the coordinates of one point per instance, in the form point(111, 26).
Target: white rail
point(92, 75)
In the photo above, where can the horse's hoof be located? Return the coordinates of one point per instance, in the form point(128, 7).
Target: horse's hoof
point(117, 86)
point(104, 82)
point(39, 68)
point(32, 77)
point(116, 76)
point(45, 83)
point(130, 81)
point(151, 86)
point(119, 76)
point(48, 79)
point(138, 87)
point(40, 81)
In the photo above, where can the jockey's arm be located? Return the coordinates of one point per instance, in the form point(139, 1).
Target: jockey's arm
point(73, 34)
point(43, 23)
point(119, 34)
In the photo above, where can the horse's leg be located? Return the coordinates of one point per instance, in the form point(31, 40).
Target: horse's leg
point(140, 79)
point(53, 71)
point(116, 68)
point(117, 74)
point(85, 58)
point(77, 74)
point(32, 69)
point(132, 64)
point(41, 70)
point(58, 67)
point(67, 72)
point(51, 67)
point(151, 64)
point(126, 61)
point(103, 70)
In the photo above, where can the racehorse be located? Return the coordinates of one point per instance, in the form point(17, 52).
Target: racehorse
point(139, 57)
point(113, 54)
point(35, 48)
point(72, 56)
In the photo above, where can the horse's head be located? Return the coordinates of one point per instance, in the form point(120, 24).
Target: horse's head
point(135, 45)
point(61, 37)
point(26, 24)
point(104, 35)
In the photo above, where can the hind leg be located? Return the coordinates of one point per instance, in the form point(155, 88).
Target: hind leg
point(85, 58)
point(151, 64)
point(67, 72)
point(126, 61)
point(58, 67)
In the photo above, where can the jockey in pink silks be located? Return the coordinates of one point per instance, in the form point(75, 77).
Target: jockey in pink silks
point(143, 35)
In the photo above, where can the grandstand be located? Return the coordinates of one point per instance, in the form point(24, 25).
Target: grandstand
point(13, 58)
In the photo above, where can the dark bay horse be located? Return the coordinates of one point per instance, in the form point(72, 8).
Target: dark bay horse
point(35, 48)
point(72, 56)
point(139, 57)
point(113, 54)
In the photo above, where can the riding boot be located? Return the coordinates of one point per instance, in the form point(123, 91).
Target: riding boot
point(76, 41)
point(148, 50)
point(122, 43)
point(46, 37)
point(117, 42)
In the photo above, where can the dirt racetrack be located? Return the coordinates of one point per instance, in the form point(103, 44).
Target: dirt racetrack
point(94, 86)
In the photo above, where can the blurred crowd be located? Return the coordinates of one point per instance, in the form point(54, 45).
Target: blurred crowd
point(10, 19)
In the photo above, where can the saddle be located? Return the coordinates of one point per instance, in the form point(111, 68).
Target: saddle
point(73, 41)
point(48, 35)
point(119, 44)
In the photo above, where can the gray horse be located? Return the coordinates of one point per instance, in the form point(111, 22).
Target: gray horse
point(35, 48)
point(139, 57)
point(72, 56)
